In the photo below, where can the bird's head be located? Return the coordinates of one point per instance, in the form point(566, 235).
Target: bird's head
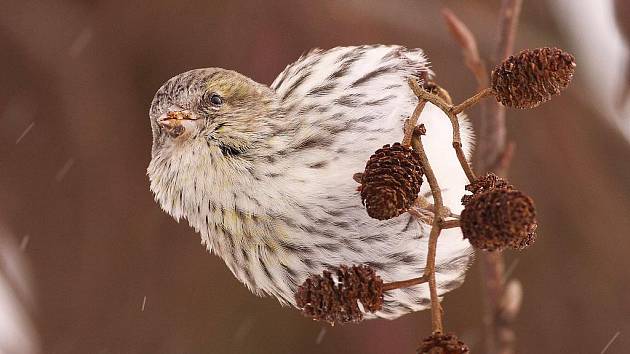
point(219, 109)
point(208, 125)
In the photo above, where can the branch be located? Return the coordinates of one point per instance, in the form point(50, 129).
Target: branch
point(492, 130)
point(472, 100)
point(467, 42)
point(410, 124)
point(449, 224)
point(493, 155)
point(508, 22)
point(429, 270)
point(450, 111)
point(405, 283)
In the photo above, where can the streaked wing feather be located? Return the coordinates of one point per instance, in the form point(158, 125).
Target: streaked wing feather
point(355, 100)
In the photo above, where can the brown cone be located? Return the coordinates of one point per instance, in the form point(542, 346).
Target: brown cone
point(532, 77)
point(323, 299)
point(391, 181)
point(499, 218)
point(448, 343)
point(485, 183)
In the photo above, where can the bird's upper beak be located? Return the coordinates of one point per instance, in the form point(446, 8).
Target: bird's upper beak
point(177, 122)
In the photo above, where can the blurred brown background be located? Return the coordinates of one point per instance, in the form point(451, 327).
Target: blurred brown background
point(111, 273)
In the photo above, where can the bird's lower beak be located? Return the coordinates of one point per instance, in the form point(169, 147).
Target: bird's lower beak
point(175, 123)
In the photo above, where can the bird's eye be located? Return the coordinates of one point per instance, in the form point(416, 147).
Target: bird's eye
point(216, 99)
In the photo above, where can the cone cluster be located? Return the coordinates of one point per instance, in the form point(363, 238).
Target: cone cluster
point(336, 301)
point(532, 77)
point(497, 216)
point(448, 343)
point(391, 181)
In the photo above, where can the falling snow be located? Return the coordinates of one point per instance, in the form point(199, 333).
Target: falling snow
point(243, 329)
point(63, 171)
point(610, 342)
point(144, 303)
point(80, 42)
point(26, 131)
point(320, 335)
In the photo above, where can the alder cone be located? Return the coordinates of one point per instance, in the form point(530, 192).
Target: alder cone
point(324, 299)
point(485, 183)
point(533, 76)
point(448, 343)
point(499, 218)
point(391, 181)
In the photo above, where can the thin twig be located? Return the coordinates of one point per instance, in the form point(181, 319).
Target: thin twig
point(493, 268)
point(470, 174)
point(508, 22)
point(468, 43)
point(405, 283)
point(423, 95)
point(410, 124)
point(492, 130)
point(422, 215)
point(448, 109)
point(494, 155)
point(472, 100)
point(449, 224)
point(429, 270)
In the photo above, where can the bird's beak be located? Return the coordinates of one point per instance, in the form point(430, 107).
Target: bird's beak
point(175, 123)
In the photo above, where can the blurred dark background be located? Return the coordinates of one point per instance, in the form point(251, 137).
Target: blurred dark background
point(111, 273)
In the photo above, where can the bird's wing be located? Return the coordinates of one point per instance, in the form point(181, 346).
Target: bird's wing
point(353, 101)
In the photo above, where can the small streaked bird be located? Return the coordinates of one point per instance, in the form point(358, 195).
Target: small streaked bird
point(264, 173)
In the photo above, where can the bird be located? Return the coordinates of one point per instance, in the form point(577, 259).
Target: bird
point(264, 173)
